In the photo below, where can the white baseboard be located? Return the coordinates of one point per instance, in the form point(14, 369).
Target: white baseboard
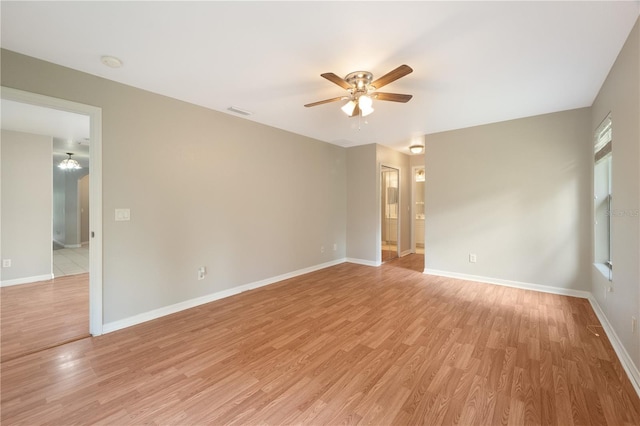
point(67, 245)
point(406, 253)
point(508, 283)
point(26, 280)
point(192, 303)
point(623, 355)
point(362, 262)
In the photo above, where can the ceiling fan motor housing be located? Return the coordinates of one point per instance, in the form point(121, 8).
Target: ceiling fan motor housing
point(360, 82)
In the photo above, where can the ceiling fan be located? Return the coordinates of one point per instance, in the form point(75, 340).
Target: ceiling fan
point(363, 90)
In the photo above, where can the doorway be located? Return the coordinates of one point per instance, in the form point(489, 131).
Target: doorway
point(417, 211)
point(95, 187)
point(390, 209)
point(71, 206)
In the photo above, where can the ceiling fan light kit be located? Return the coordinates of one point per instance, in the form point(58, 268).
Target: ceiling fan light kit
point(363, 90)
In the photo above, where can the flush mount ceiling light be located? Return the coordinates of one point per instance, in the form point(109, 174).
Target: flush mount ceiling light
point(362, 90)
point(111, 61)
point(416, 149)
point(69, 163)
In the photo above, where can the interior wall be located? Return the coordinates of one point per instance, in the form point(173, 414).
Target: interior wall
point(416, 160)
point(620, 95)
point(26, 206)
point(204, 188)
point(517, 194)
point(363, 226)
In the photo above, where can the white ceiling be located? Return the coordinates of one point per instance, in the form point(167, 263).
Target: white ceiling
point(474, 62)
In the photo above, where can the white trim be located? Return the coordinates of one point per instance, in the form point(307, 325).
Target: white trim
point(26, 280)
point(602, 135)
point(623, 355)
point(363, 262)
point(508, 283)
point(192, 303)
point(604, 270)
point(95, 165)
point(68, 245)
point(407, 252)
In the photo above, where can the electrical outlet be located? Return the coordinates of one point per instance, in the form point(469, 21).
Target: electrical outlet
point(6, 263)
point(634, 324)
point(321, 249)
point(335, 247)
point(472, 258)
point(202, 271)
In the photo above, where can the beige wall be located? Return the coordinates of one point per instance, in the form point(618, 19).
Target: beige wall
point(26, 206)
point(416, 160)
point(247, 201)
point(517, 194)
point(620, 95)
point(363, 227)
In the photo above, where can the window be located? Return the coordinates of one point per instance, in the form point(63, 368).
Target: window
point(603, 197)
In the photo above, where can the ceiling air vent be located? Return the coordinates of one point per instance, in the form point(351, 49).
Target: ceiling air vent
point(239, 110)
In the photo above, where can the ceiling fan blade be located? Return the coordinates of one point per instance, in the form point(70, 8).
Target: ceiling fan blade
point(394, 97)
point(392, 76)
point(356, 111)
point(326, 101)
point(337, 80)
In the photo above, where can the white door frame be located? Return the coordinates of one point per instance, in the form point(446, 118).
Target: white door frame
point(95, 189)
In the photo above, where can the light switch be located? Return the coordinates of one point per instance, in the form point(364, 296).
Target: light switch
point(123, 214)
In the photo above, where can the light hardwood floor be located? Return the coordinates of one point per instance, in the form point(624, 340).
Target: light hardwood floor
point(347, 344)
point(40, 315)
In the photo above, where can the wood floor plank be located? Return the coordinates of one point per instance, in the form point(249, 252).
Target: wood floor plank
point(349, 344)
point(43, 314)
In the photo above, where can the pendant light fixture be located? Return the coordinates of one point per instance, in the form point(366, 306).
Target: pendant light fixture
point(69, 163)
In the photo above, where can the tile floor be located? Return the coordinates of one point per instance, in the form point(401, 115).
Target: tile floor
point(70, 261)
